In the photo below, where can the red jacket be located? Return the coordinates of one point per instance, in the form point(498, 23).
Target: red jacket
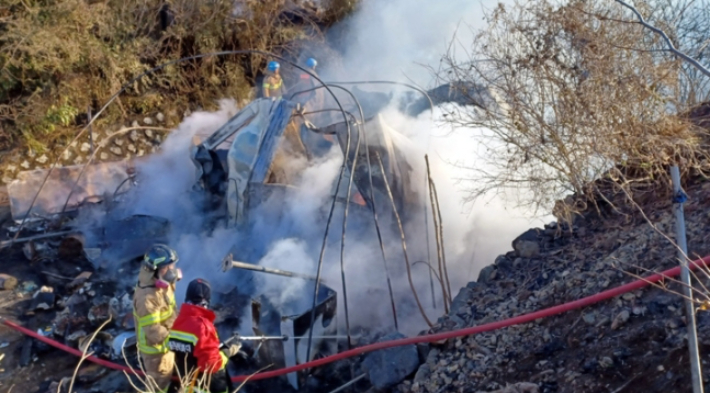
point(194, 340)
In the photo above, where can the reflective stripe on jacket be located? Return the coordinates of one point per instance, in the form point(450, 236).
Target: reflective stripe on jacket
point(154, 311)
point(273, 85)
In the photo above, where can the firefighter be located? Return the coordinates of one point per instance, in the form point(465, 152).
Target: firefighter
point(194, 340)
point(306, 83)
point(154, 311)
point(273, 84)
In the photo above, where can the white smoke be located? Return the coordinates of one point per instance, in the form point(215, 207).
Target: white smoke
point(286, 254)
point(386, 41)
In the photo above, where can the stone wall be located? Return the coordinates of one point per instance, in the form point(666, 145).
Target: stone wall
point(111, 144)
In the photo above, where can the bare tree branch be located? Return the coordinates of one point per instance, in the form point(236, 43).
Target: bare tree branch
point(660, 32)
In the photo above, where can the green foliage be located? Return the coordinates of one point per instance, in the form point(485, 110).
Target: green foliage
point(59, 57)
point(63, 115)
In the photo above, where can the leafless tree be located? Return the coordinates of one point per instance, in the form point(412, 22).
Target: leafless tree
point(574, 90)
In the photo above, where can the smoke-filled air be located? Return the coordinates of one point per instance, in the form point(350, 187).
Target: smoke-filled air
point(397, 41)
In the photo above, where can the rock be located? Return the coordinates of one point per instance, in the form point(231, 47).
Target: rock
point(140, 153)
point(132, 148)
point(25, 164)
point(589, 318)
point(75, 336)
point(147, 121)
point(149, 133)
point(422, 374)
point(11, 168)
point(116, 150)
point(118, 141)
point(460, 300)
point(486, 273)
point(503, 262)
point(629, 296)
point(85, 147)
point(7, 282)
point(160, 117)
point(135, 123)
point(422, 348)
point(620, 319)
point(606, 362)
point(66, 156)
point(388, 367)
point(103, 156)
point(639, 310)
point(133, 136)
point(517, 262)
point(526, 245)
point(527, 249)
point(42, 159)
point(520, 387)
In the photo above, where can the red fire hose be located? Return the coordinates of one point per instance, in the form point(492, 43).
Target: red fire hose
point(413, 340)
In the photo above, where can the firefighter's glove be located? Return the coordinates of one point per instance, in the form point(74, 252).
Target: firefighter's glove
point(232, 349)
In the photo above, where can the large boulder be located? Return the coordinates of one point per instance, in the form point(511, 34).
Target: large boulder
point(527, 245)
point(486, 274)
point(389, 367)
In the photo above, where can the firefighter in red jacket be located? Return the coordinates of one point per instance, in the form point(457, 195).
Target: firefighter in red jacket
point(193, 339)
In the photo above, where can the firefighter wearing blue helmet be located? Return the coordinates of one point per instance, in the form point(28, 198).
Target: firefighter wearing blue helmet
point(306, 83)
point(273, 84)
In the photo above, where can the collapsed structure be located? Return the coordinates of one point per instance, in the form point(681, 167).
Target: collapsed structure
point(254, 158)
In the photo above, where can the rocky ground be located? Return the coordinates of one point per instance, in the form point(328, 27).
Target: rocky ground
point(633, 343)
point(636, 342)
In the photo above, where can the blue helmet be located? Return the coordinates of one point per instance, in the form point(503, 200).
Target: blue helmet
point(273, 66)
point(311, 62)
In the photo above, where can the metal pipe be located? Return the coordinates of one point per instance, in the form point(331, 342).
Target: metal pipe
point(228, 263)
point(348, 384)
point(285, 337)
point(678, 199)
point(6, 243)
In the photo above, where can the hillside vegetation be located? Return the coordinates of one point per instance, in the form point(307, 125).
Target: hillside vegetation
point(59, 58)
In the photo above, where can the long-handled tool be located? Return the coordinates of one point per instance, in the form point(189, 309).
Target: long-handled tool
point(229, 263)
point(280, 338)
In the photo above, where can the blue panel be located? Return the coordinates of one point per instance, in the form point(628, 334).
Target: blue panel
point(278, 121)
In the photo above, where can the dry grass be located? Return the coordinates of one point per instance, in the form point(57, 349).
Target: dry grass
point(58, 58)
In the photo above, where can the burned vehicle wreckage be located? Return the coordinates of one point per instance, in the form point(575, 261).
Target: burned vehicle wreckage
point(243, 172)
point(249, 163)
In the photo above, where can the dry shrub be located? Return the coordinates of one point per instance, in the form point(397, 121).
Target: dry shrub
point(578, 99)
point(60, 57)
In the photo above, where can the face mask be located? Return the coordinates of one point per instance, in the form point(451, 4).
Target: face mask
point(170, 277)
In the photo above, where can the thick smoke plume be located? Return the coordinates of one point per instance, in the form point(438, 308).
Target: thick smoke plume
point(384, 41)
